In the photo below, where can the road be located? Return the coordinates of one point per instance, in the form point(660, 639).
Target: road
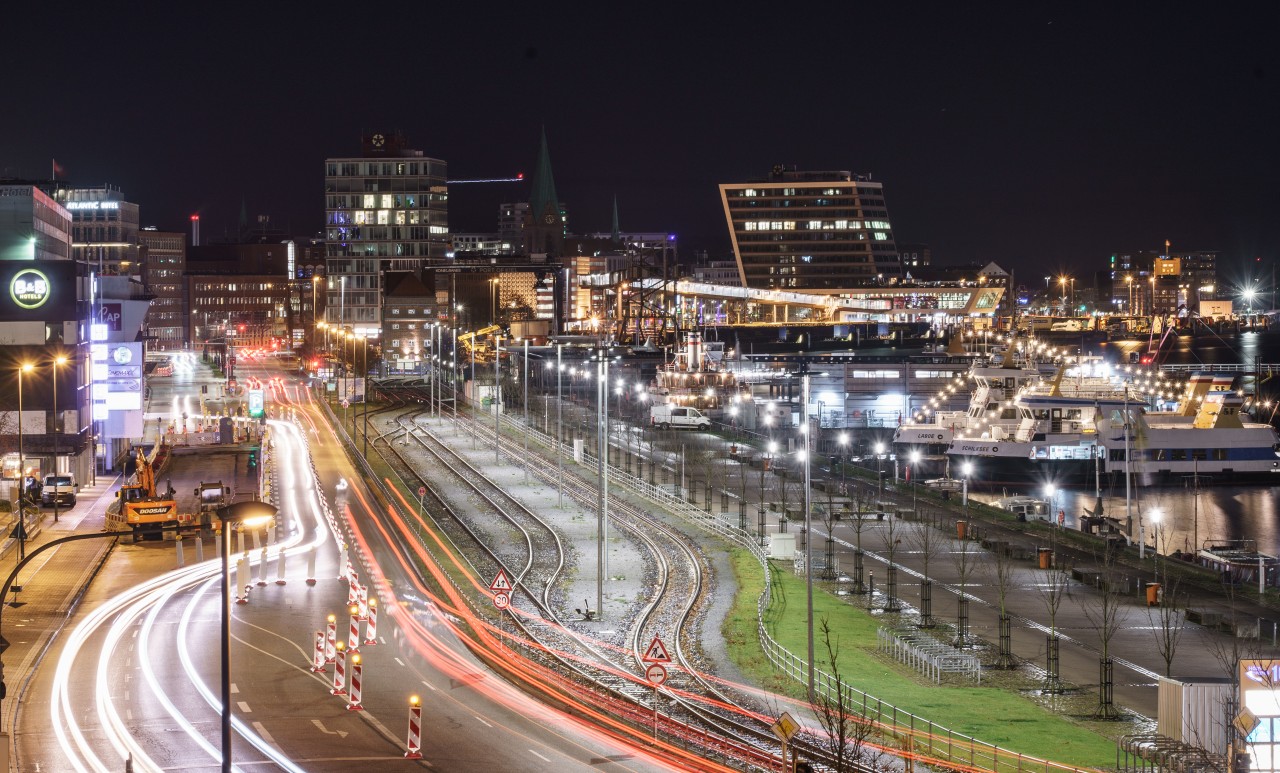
point(136, 670)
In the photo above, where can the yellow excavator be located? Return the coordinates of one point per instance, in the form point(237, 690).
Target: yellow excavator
point(143, 510)
point(473, 346)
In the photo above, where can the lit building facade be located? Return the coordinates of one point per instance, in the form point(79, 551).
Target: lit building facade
point(163, 258)
point(386, 210)
point(104, 229)
point(815, 231)
point(42, 322)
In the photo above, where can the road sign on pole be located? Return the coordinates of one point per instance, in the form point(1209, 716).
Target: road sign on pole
point(656, 652)
point(501, 600)
point(500, 583)
point(786, 727)
point(422, 491)
point(656, 673)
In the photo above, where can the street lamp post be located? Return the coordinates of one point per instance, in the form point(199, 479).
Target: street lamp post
point(844, 447)
point(25, 367)
point(58, 362)
point(252, 513)
point(497, 402)
point(967, 469)
point(559, 427)
point(602, 451)
point(879, 449)
point(911, 471)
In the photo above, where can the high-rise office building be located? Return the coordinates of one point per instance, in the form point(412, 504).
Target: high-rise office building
point(385, 210)
point(104, 229)
point(817, 231)
point(164, 260)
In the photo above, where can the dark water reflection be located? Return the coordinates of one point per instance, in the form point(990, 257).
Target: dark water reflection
point(1214, 514)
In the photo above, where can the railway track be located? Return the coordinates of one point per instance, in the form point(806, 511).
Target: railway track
point(670, 613)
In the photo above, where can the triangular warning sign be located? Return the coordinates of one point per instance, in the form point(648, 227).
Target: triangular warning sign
point(657, 652)
point(500, 583)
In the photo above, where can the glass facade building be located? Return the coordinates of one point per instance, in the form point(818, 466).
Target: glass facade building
point(384, 211)
point(818, 231)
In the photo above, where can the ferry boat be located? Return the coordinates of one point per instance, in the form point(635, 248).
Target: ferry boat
point(695, 378)
point(991, 407)
point(1068, 440)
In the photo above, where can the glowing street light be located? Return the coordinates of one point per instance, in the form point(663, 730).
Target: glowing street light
point(250, 514)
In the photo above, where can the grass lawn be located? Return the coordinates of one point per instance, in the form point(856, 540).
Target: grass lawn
point(997, 715)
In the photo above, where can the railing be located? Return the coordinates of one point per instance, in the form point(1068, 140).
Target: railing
point(926, 654)
point(1268, 368)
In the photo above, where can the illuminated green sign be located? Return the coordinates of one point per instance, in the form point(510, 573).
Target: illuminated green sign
point(29, 288)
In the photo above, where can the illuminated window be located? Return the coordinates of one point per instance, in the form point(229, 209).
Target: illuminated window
point(370, 201)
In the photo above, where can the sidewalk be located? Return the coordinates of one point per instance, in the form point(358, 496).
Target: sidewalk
point(51, 583)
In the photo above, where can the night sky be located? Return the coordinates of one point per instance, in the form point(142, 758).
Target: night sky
point(1036, 137)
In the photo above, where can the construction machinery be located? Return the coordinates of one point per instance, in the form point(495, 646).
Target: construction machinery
point(145, 512)
point(474, 346)
point(210, 497)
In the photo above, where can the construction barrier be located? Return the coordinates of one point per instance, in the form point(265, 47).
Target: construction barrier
point(371, 625)
point(318, 660)
point(415, 730)
point(340, 671)
point(353, 700)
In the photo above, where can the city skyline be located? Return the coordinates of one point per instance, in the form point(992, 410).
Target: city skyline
point(1033, 138)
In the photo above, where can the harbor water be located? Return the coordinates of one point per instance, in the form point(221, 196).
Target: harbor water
point(1190, 516)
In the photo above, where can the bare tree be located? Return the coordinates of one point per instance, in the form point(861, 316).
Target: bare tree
point(892, 540)
point(1055, 586)
point(847, 731)
point(1001, 570)
point(1165, 618)
point(862, 499)
point(965, 559)
point(928, 541)
point(1105, 610)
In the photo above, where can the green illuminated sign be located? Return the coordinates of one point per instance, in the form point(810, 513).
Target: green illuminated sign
point(30, 288)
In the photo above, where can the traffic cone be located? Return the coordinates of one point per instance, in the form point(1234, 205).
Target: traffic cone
point(331, 639)
point(280, 580)
point(317, 658)
point(353, 590)
point(371, 623)
point(340, 671)
point(353, 701)
point(362, 600)
point(353, 640)
point(415, 730)
point(242, 580)
point(311, 566)
point(343, 564)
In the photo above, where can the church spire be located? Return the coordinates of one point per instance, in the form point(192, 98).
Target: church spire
point(542, 198)
point(617, 233)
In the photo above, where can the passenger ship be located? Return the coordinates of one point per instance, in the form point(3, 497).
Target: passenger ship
point(695, 378)
point(991, 408)
point(1068, 440)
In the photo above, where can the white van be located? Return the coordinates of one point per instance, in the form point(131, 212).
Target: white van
point(61, 487)
point(667, 415)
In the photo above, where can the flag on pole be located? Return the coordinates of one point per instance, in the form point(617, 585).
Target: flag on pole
point(57, 169)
